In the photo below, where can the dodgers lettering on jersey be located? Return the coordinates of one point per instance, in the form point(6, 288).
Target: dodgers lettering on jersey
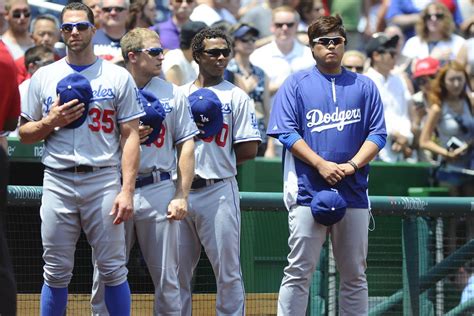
point(177, 127)
point(334, 115)
point(97, 141)
point(215, 156)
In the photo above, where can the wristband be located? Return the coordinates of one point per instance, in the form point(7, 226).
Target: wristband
point(354, 165)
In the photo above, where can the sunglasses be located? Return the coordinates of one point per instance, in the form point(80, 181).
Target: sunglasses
point(288, 25)
point(358, 69)
point(187, 1)
point(152, 51)
point(326, 41)
point(41, 63)
point(216, 52)
point(110, 9)
point(421, 81)
point(18, 14)
point(80, 26)
point(434, 16)
point(247, 39)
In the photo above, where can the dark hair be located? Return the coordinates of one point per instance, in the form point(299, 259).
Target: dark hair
point(36, 53)
point(46, 16)
point(78, 6)
point(135, 9)
point(324, 25)
point(197, 45)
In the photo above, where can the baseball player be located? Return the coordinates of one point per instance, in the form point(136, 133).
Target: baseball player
point(81, 186)
point(331, 124)
point(158, 203)
point(214, 208)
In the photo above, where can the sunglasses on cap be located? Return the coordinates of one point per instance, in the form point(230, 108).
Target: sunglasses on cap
point(216, 52)
point(17, 14)
point(110, 9)
point(80, 26)
point(247, 39)
point(288, 25)
point(326, 41)
point(152, 51)
point(434, 16)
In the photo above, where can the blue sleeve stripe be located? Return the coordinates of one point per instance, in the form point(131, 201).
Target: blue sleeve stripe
point(249, 139)
point(131, 117)
point(378, 139)
point(289, 139)
point(185, 138)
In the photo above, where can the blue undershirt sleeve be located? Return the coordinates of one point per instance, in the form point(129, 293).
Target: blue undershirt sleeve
point(289, 139)
point(378, 139)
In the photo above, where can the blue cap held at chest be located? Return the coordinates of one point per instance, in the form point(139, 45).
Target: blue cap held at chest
point(207, 112)
point(75, 86)
point(328, 207)
point(155, 114)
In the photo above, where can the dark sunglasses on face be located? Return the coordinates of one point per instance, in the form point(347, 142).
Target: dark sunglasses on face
point(216, 52)
point(288, 25)
point(80, 26)
point(326, 41)
point(247, 39)
point(152, 51)
point(117, 9)
point(181, 1)
point(358, 69)
point(434, 16)
point(420, 81)
point(18, 14)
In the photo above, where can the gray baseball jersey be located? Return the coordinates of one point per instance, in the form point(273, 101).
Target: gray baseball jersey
point(214, 209)
point(157, 236)
point(215, 157)
point(72, 201)
point(96, 142)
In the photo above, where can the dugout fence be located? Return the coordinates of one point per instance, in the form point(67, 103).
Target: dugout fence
point(413, 268)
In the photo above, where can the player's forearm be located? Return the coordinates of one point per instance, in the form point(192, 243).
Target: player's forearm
point(366, 153)
point(33, 132)
point(302, 151)
point(130, 155)
point(185, 168)
point(245, 151)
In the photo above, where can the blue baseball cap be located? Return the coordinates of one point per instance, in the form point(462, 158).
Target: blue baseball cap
point(75, 86)
point(206, 108)
point(328, 207)
point(155, 114)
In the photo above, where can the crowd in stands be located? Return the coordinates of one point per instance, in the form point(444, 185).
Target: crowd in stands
point(420, 54)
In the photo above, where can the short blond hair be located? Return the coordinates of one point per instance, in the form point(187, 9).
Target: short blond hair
point(9, 3)
point(134, 39)
point(286, 8)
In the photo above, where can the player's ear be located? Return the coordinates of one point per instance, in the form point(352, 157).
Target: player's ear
point(132, 57)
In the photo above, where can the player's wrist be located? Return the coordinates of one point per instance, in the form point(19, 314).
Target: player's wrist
point(354, 165)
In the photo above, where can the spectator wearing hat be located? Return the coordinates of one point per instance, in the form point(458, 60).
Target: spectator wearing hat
point(252, 80)
point(170, 29)
point(382, 53)
point(425, 72)
point(179, 66)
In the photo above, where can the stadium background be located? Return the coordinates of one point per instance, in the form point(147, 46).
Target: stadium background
point(406, 241)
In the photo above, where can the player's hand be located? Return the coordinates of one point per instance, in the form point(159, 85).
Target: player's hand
point(62, 115)
point(143, 132)
point(331, 172)
point(177, 209)
point(347, 169)
point(123, 207)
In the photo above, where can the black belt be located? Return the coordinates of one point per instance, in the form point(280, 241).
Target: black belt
point(81, 169)
point(201, 183)
point(149, 179)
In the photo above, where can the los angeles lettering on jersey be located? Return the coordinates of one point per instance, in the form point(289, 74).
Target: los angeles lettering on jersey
point(319, 121)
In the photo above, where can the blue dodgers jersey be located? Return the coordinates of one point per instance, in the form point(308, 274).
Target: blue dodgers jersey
point(334, 114)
